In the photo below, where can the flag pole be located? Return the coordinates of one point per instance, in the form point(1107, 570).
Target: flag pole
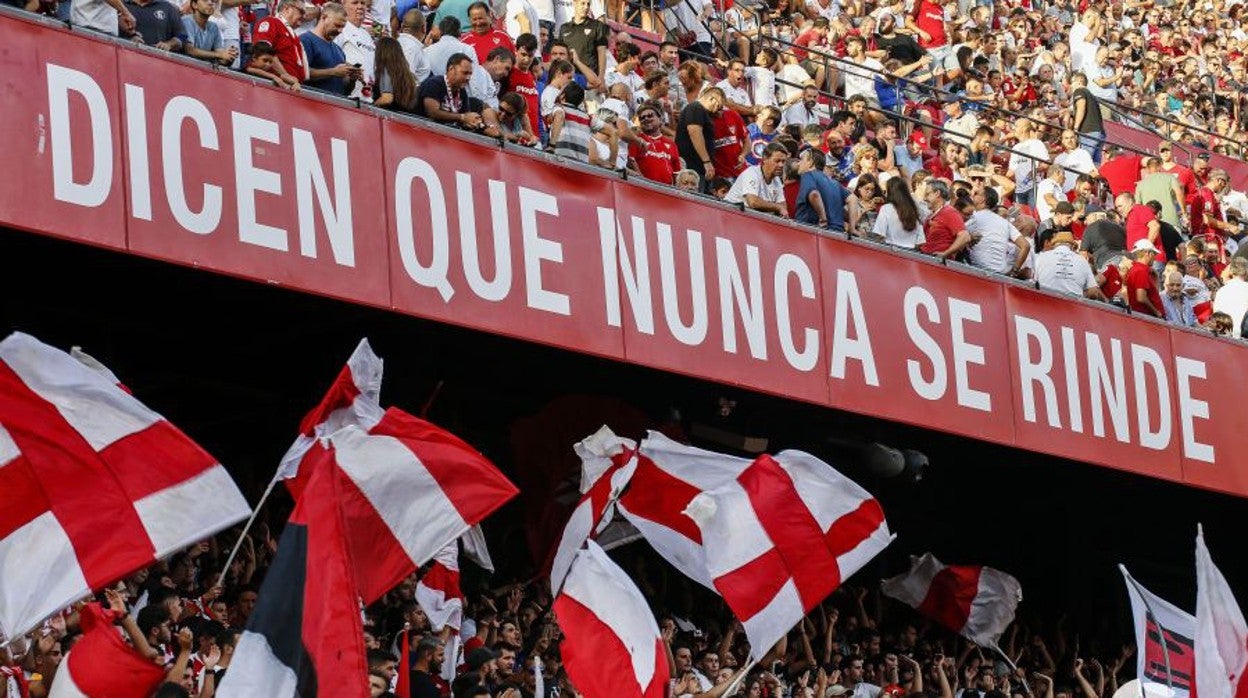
point(246, 527)
point(1010, 663)
point(1161, 634)
point(741, 674)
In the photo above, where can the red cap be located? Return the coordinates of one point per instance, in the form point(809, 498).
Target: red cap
point(918, 137)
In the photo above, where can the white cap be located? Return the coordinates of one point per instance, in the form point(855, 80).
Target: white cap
point(1144, 245)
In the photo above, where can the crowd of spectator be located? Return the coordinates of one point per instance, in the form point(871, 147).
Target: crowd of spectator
point(971, 130)
point(857, 643)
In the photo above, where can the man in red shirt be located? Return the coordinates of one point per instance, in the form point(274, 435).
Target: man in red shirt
point(731, 143)
point(945, 229)
point(928, 21)
point(522, 82)
point(941, 165)
point(1186, 179)
point(1142, 293)
point(277, 32)
point(658, 160)
point(484, 37)
point(1206, 213)
point(1140, 221)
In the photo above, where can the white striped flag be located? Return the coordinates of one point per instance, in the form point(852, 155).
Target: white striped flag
point(607, 464)
point(438, 592)
point(666, 478)
point(612, 647)
point(93, 484)
point(102, 665)
point(781, 537)
point(1164, 639)
point(353, 399)
point(974, 601)
point(1221, 634)
point(411, 489)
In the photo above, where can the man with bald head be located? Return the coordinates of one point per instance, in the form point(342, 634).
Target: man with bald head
point(1176, 304)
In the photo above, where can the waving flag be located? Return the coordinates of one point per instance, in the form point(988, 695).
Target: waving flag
point(1164, 637)
point(612, 647)
point(93, 484)
point(102, 665)
point(666, 478)
point(782, 536)
point(438, 592)
point(352, 400)
point(305, 637)
point(1221, 634)
point(411, 488)
point(973, 601)
point(607, 464)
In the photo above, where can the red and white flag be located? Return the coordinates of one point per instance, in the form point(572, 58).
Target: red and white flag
point(93, 484)
point(352, 400)
point(665, 479)
point(1164, 640)
point(438, 592)
point(976, 602)
point(102, 665)
point(612, 647)
point(1221, 633)
point(412, 489)
point(782, 536)
point(607, 464)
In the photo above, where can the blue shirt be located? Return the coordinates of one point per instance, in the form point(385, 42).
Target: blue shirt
point(206, 39)
point(833, 194)
point(901, 158)
point(758, 141)
point(322, 55)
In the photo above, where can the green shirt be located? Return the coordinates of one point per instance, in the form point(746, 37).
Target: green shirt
point(1160, 187)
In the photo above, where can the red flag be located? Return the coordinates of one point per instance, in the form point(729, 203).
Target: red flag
point(1221, 642)
point(305, 637)
point(93, 484)
point(438, 592)
point(403, 687)
point(976, 602)
point(612, 647)
point(102, 665)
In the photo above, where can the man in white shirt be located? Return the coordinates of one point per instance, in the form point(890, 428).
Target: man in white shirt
point(996, 246)
point(736, 90)
point(1064, 270)
point(448, 45)
point(521, 18)
point(960, 125)
point(357, 43)
point(862, 80)
point(1084, 37)
point(1050, 192)
point(761, 187)
point(485, 78)
point(412, 39)
point(1075, 160)
point(1232, 298)
point(804, 112)
point(1022, 166)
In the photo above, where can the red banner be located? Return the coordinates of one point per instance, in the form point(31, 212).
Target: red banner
point(170, 160)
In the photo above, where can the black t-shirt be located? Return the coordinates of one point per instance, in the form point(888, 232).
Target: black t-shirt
point(694, 114)
point(434, 87)
point(585, 38)
point(1170, 239)
point(1091, 111)
point(423, 685)
point(1104, 240)
point(900, 46)
point(156, 21)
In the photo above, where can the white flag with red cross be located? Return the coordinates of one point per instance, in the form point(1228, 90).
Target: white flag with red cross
point(93, 484)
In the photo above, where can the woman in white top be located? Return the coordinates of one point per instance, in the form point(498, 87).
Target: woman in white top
point(898, 220)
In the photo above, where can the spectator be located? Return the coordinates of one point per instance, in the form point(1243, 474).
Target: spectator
point(1164, 188)
point(1074, 160)
point(1206, 216)
point(570, 135)
point(694, 133)
point(1104, 241)
point(106, 16)
point(444, 98)
point(1141, 284)
point(627, 61)
point(486, 76)
point(412, 39)
point(158, 23)
point(761, 187)
point(1087, 118)
point(586, 39)
point(204, 40)
point(1027, 153)
point(829, 210)
point(960, 125)
point(447, 45)
point(1050, 191)
point(560, 76)
point(513, 120)
point(358, 46)
point(763, 131)
point(996, 245)
point(426, 658)
point(688, 180)
point(736, 93)
point(264, 63)
point(1141, 223)
point(859, 70)
point(327, 63)
point(1232, 298)
point(604, 143)
point(396, 86)
point(655, 157)
point(944, 229)
point(521, 17)
point(909, 157)
point(1171, 238)
point(1063, 270)
point(1176, 304)
point(729, 143)
point(804, 112)
point(484, 38)
point(862, 206)
point(898, 222)
point(278, 32)
point(522, 82)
